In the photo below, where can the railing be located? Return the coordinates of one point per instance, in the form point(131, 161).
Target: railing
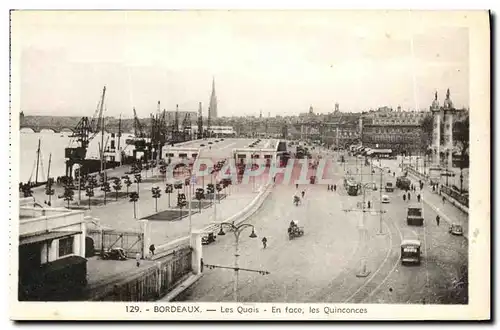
point(150, 284)
point(460, 198)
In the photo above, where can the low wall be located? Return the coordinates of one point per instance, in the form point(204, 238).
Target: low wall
point(151, 284)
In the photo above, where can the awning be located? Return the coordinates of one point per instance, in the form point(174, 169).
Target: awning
point(46, 236)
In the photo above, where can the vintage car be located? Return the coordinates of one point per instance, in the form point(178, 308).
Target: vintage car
point(456, 229)
point(389, 187)
point(410, 251)
point(385, 199)
point(312, 179)
point(415, 216)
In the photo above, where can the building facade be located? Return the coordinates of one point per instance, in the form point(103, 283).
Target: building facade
point(400, 131)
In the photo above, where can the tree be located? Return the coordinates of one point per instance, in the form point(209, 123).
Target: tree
point(49, 191)
point(169, 189)
point(461, 135)
point(178, 187)
point(117, 186)
point(156, 194)
point(68, 194)
point(137, 179)
point(210, 189)
point(127, 182)
point(106, 188)
point(134, 197)
point(199, 195)
point(218, 187)
point(163, 170)
point(89, 192)
point(181, 201)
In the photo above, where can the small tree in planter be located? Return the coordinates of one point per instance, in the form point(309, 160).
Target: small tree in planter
point(49, 191)
point(181, 201)
point(117, 186)
point(211, 189)
point(218, 187)
point(134, 197)
point(178, 187)
point(156, 194)
point(89, 192)
point(169, 189)
point(199, 195)
point(68, 194)
point(106, 188)
point(127, 182)
point(138, 180)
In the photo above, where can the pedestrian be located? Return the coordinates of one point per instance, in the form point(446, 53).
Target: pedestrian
point(418, 198)
point(409, 196)
point(369, 204)
point(437, 220)
point(138, 259)
point(334, 187)
point(152, 249)
point(443, 199)
point(328, 187)
point(404, 197)
point(433, 188)
point(303, 193)
point(296, 186)
point(264, 242)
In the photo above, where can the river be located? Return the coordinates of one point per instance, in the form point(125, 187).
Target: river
point(54, 143)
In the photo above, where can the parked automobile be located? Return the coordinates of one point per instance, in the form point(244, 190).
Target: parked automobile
point(456, 229)
point(385, 199)
point(389, 187)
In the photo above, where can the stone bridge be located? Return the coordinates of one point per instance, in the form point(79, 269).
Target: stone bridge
point(58, 124)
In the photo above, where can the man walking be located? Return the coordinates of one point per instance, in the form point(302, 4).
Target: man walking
point(264, 242)
point(334, 187)
point(437, 220)
point(138, 259)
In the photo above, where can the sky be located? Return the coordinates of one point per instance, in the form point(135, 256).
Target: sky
point(278, 62)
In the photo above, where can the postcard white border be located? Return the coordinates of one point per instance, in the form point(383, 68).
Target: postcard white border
point(479, 245)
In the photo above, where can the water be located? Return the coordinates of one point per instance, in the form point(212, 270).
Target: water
point(54, 143)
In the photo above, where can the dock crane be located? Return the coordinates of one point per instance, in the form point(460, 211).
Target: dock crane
point(86, 129)
point(186, 127)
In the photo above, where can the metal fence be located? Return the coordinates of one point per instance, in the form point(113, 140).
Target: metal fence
point(130, 242)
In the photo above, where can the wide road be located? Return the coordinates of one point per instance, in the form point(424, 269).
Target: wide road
point(322, 265)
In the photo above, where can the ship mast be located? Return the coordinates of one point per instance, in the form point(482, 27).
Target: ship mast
point(102, 127)
point(37, 161)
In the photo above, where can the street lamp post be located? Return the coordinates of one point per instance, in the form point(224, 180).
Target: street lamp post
point(237, 230)
point(382, 169)
point(363, 271)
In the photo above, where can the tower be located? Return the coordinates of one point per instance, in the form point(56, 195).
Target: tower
point(337, 107)
point(212, 109)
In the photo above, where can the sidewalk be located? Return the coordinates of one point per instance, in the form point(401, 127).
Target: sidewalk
point(446, 211)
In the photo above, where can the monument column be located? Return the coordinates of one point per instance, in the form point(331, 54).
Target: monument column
point(435, 168)
point(436, 131)
point(448, 129)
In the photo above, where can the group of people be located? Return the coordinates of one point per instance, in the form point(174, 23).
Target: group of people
point(332, 187)
point(413, 187)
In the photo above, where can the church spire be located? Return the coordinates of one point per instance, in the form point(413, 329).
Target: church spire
point(212, 110)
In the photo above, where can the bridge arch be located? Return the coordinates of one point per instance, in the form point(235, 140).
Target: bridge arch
point(47, 130)
point(27, 130)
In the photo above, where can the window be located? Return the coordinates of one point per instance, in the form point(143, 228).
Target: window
point(66, 246)
point(182, 155)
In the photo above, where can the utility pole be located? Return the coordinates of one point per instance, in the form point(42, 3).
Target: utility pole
point(102, 127)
